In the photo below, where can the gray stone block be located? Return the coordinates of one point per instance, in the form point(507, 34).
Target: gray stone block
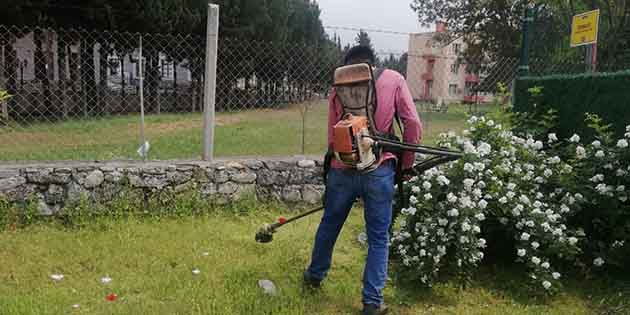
point(94, 179)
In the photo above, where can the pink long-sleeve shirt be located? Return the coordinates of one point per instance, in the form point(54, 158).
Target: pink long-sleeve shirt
point(393, 95)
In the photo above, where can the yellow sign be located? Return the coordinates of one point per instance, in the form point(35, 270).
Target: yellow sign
point(584, 28)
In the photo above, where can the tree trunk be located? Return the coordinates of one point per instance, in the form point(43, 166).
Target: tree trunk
point(88, 77)
point(63, 77)
point(103, 52)
point(174, 85)
point(10, 72)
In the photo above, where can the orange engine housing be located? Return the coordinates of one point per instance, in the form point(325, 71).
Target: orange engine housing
point(344, 136)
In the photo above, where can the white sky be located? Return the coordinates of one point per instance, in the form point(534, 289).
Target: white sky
point(389, 15)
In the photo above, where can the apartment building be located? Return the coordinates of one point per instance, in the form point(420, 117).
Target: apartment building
point(434, 73)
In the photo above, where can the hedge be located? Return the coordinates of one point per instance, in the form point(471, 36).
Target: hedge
point(604, 94)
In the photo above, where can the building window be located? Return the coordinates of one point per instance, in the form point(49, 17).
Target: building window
point(456, 48)
point(167, 70)
point(452, 89)
point(455, 68)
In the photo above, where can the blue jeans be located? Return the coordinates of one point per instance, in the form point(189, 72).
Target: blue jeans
point(376, 189)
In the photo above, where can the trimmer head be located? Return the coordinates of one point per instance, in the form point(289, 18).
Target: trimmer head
point(265, 234)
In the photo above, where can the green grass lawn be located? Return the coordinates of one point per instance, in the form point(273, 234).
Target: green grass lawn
point(248, 133)
point(150, 263)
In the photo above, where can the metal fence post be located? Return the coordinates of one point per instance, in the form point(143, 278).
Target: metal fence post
point(143, 146)
point(210, 79)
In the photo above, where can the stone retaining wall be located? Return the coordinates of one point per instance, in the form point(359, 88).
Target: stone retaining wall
point(293, 180)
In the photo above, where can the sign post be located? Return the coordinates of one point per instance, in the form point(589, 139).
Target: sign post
point(584, 31)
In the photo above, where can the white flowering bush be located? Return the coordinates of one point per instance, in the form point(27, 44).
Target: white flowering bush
point(530, 190)
point(602, 173)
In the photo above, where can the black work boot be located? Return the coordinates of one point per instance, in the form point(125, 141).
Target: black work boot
point(371, 309)
point(310, 282)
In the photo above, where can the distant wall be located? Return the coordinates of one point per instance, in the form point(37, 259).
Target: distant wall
point(52, 186)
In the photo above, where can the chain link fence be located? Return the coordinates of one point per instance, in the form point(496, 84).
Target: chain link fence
point(76, 93)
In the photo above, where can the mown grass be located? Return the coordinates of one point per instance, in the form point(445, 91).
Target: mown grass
point(150, 257)
point(172, 136)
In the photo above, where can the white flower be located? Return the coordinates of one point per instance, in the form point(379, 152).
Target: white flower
point(426, 185)
point(621, 188)
point(525, 236)
point(535, 245)
point(536, 260)
point(415, 189)
point(481, 243)
point(545, 265)
point(580, 152)
point(598, 262)
point(480, 216)
point(552, 137)
point(483, 204)
point(546, 285)
point(504, 221)
point(463, 239)
point(556, 275)
point(472, 120)
point(548, 173)
point(554, 160)
point(573, 240)
point(465, 227)
point(484, 149)
point(196, 271)
point(451, 198)
point(530, 223)
point(538, 145)
point(465, 202)
point(453, 213)
point(521, 252)
point(443, 181)
point(468, 183)
point(575, 138)
point(468, 167)
point(597, 178)
point(422, 253)
point(476, 229)
point(428, 196)
point(503, 200)
point(413, 200)
point(510, 194)
point(524, 199)
point(490, 123)
point(600, 154)
point(442, 222)
point(623, 143)
point(596, 144)
point(511, 186)
point(621, 172)
point(412, 211)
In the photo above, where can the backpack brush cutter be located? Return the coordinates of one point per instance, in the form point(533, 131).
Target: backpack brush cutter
point(357, 143)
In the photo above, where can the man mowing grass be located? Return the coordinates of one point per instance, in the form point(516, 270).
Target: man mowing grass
point(344, 184)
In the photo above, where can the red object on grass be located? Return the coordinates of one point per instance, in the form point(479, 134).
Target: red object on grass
point(282, 220)
point(111, 297)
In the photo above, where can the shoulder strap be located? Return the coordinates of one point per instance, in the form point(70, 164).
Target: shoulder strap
point(377, 75)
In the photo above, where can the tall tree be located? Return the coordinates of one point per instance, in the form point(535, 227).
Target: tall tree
point(363, 39)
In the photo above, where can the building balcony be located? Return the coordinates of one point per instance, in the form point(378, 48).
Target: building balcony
point(471, 78)
point(474, 99)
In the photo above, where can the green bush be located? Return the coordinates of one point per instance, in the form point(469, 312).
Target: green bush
point(573, 96)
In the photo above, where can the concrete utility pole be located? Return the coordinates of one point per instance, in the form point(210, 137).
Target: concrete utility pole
point(210, 81)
